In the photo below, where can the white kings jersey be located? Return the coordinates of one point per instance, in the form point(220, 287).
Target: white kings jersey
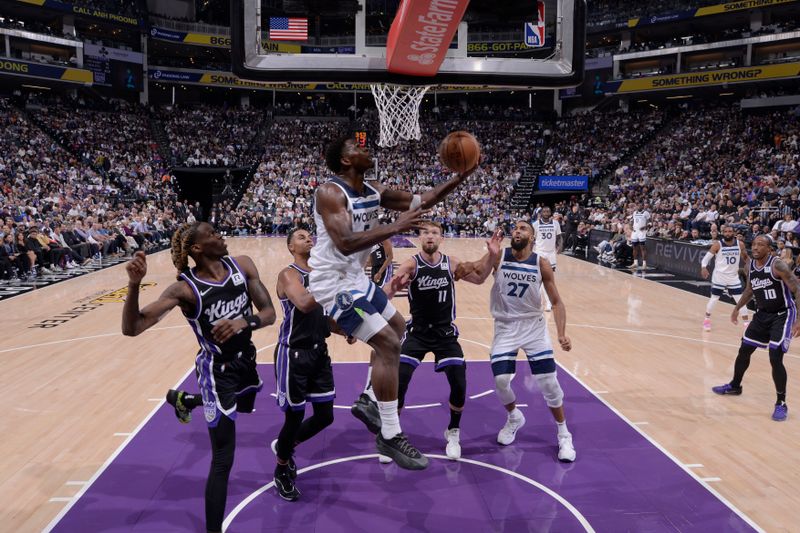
point(726, 263)
point(362, 209)
point(546, 234)
point(516, 291)
point(640, 219)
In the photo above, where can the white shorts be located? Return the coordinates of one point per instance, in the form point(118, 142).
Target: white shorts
point(639, 236)
point(357, 305)
point(720, 284)
point(529, 335)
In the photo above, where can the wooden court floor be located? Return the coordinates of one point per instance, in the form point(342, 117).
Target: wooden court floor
point(76, 388)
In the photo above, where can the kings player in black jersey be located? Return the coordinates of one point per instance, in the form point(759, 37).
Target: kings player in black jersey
point(380, 262)
point(430, 279)
point(216, 297)
point(775, 289)
point(302, 365)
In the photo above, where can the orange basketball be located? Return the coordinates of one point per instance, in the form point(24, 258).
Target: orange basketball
point(460, 151)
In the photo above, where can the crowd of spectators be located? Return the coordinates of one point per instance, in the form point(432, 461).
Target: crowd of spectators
point(604, 13)
point(714, 165)
point(58, 213)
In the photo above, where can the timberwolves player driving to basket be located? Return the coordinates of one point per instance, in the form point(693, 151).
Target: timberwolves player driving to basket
point(216, 297)
point(775, 289)
point(346, 212)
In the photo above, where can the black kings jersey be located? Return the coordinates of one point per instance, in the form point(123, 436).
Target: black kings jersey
point(770, 292)
point(377, 257)
point(432, 297)
point(227, 300)
point(302, 330)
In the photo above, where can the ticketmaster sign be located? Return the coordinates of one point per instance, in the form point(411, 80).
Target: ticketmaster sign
point(563, 183)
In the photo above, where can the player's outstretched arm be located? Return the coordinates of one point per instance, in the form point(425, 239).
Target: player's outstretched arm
point(785, 273)
point(477, 271)
point(559, 310)
point(401, 278)
point(747, 295)
point(403, 200)
point(290, 285)
point(331, 205)
point(134, 320)
point(707, 259)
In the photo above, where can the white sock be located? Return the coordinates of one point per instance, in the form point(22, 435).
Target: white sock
point(390, 422)
point(562, 428)
point(516, 414)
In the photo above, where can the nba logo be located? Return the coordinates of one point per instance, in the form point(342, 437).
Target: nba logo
point(534, 32)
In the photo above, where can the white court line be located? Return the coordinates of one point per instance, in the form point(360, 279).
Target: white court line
point(155, 399)
point(641, 423)
point(265, 347)
point(422, 406)
point(663, 450)
point(711, 479)
point(100, 336)
point(522, 405)
point(108, 462)
point(122, 434)
point(601, 392)
point(76, 482)
point(61, 499)
point(480, 395)
point(694, 465)
point(556, 496)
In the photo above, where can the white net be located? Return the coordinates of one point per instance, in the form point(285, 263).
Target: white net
point(398, 109)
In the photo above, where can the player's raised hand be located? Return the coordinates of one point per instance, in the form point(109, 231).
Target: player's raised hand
point(565, 343)
point(411, 219)
point(398, 283)
point(137, 268)
point(493, 244)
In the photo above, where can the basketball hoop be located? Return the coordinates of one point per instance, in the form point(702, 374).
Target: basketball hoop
point(398, 110)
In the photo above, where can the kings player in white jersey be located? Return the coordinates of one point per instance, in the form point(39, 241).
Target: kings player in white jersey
point(346, 215)
point(515, 304)
point(727, 253)
point(549, 243)
point(639, 221)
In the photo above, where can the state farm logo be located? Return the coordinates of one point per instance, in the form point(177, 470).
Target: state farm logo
point(422, 59)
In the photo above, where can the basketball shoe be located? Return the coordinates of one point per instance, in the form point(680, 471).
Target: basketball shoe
point(453, 449)
point(367, 411)
point(707, 324)
point(292, 466)
point(175, 399)
point(566, 451)
point(727, 389)
point(401, 452)
point(285, 484)
point(781, 412)
point(509, 431)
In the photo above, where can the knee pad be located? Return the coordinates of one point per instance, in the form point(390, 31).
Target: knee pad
point(551, 390)
point(457, 377)
point(502, 384)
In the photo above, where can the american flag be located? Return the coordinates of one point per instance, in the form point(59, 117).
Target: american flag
point(288, 29)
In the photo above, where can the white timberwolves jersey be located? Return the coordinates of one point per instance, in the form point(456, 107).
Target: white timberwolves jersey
point(546, 233)
point(515, 294)
point(640, 219)
point(726, 263)
point(363, 212)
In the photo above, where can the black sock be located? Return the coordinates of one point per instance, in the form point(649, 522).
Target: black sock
point(455, 419)
point(190, 401)
point(781, 398)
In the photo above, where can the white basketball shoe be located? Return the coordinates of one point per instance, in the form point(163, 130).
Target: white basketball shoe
point(509, 431)
point(453, 449)
point(566, 451)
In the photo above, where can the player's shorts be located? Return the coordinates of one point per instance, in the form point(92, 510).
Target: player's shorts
point(771, 330)
point(551, 258)
point(445, 348)
point(230, 387)
point(529, 335)
point(639, 237)
point(387, 275)
point(357, 305)
point(727, 283)
point(303, 375)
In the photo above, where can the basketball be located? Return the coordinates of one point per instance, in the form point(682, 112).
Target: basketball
point(460, 151)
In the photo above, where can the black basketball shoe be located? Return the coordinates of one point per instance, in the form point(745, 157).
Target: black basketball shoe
point(285, 484)
point(175, 399)
point(401, 451)
point(291, 464)
point(367, 411)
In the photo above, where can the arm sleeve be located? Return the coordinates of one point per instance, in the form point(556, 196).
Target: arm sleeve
point(706, 259)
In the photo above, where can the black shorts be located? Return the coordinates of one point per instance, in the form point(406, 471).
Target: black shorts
point(771, 330)
point(303, 375)
point(230, 387)
point(445, 348)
